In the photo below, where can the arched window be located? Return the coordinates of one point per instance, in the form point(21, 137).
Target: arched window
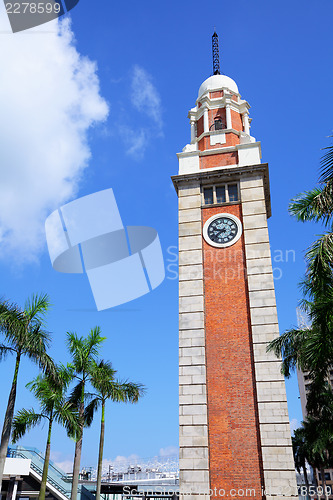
point(218, 124)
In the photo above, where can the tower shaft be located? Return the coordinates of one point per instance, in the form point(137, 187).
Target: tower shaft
point(234, 423)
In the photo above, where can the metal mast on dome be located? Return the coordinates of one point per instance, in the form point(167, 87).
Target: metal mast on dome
point(216, 55)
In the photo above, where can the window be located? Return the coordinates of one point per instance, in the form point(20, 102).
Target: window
point(327, 476)
point(216, 195)
point(233, 192)
point(220, 194)
point(218, 124)
point(208, 196)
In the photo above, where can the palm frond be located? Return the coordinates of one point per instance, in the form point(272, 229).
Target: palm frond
point(93, 342)
point(319, 278)
point(75, 397)
point(46, 391)
point(67, 415)
point(299, 448)
point(319, 438)
point(12, 322)
point(36, 307)
point(84, 350)
point(66, 373)
point(317, 350)
point(315, 205)
point(23, 329)
point(102, 376)
point(36, 340)
point(319, 400)
point(131, 391)
point(326, 165)
point(75, 347)
point(44, 361)
point(4, 351)
point(289, 346)
point(90, 410)
point(23, 421)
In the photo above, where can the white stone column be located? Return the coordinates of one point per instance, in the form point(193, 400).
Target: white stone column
point(228, 116)
point(206, 121)
point(193, 131)
point(193, 417)
point(246, 123)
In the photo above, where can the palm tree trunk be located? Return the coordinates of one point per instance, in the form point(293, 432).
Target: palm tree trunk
point(323, 481)
point(78, 450)
point(7, 425)
point(100, 453)
point(315, 469)
point(42, 491)
point(306, 479)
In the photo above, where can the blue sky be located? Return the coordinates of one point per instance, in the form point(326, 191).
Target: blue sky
point(103, 103)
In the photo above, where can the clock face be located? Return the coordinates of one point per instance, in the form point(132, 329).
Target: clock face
point(222, 230)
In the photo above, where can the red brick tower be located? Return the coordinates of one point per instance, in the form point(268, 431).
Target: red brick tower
point(234, 425)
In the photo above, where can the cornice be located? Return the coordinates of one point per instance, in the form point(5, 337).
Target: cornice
point(216, 151)
point(215, 174)
point(218, 103)
point(225, 90)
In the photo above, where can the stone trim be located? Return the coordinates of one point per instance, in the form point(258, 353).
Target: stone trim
point(271, 393)
point(245, 173)
point(193, 419)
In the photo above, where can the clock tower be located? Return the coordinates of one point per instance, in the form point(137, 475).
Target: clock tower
point(234, 425)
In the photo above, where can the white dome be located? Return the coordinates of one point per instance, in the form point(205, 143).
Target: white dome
point(217, 82)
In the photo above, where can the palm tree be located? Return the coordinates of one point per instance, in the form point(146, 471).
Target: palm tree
point(24, 336)
point(300, 452)
point(84, 352)
point(317, 205)
point(102, 379)
point(50, 393)
point(318, 433)
point(310, 349)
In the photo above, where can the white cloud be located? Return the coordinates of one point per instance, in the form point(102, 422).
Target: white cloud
point(294, 424)
point(66, 466)
point(169, 451)
point(145, 97)
point(122, 460)
point(49, 98)
point(65, 463)
point(135, 141)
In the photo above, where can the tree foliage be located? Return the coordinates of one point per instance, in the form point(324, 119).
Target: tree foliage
point(24, 334)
